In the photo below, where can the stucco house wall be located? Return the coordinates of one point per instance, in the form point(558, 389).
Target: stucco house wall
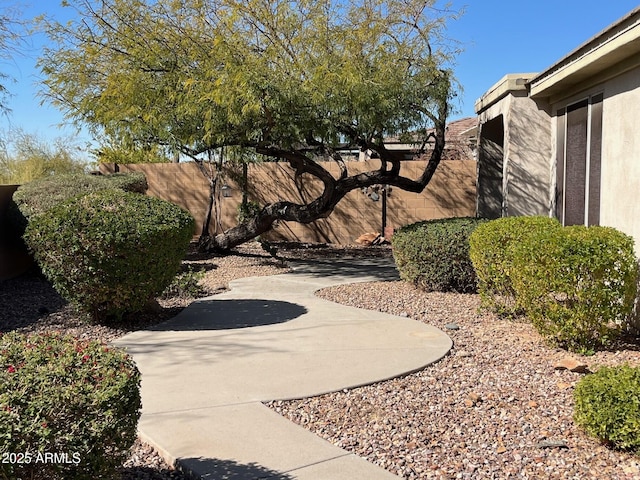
point(620, 205)
point(513, 166)
point(574, 129)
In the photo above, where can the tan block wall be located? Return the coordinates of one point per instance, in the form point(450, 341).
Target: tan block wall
point(451, 193)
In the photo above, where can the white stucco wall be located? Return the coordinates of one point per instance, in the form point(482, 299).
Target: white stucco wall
point(620, 199)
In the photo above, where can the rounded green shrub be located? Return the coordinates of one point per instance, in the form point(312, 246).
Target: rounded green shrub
point(577, 284)
point(607, 406)
point(38, 196)
point(110, 252)
point(69, 408)
point(490, 249)
point(434, 254)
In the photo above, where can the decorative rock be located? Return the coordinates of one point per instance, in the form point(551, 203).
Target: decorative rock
point(472, 399)
point(572, 365)
point(552, 444)
point(367, 238)
point(452, 326)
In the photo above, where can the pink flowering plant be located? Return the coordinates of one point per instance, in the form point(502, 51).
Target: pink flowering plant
point(69, 408)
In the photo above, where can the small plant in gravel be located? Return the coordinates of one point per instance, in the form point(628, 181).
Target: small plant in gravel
point(577, 284)
point(491, 252)
point(434, 254)
point(607, 406)
point(186, 285)
point(110, 252)
point(69, 408)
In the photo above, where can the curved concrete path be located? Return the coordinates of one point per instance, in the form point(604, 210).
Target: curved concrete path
point(206, 372)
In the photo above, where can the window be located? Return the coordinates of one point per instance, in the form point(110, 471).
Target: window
point(579, 128)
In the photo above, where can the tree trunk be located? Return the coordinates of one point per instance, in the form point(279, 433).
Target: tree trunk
point(334, 190)
point(321, 207)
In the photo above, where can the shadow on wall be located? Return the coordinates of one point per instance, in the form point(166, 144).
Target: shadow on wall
point(455, 192)
point(450, 193)
point(490, 168)
point(14, 258)
point(528, 175)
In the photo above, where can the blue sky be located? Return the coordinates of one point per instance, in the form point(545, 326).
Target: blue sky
point(498, 37)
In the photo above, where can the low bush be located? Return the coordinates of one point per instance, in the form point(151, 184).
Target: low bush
point(577, 284)
point(110, 252)
point(434, 254)
point(38, 196)
point(248, 210)
point(490, 249)
point(69, 408)
point(607, 406)
point(185, 285)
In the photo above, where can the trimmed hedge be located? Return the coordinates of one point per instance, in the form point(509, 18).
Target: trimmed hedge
point(110, 252)
point(491, 252)
point(607, 406)
point(38, 196)
point(434, 254)
point(59, 395)
point(577, 284)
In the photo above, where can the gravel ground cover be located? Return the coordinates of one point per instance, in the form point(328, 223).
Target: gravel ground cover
point(495, 408)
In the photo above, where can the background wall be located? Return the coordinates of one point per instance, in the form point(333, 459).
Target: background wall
point(451, 193)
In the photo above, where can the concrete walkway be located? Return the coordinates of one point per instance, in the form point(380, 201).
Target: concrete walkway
point(206, 372)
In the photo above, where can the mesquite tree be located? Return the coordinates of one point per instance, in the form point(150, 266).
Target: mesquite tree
point(299, 81)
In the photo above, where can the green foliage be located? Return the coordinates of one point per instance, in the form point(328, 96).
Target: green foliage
point(607, 406)
point(248, 210)
point(227, 73)
point(40, 195)
point(434, 255)
point(110, 252)
point(186, 285)
point(26, 157)
point(62, 395)
point(577, 284)
point(491, 252)
point(134, 154)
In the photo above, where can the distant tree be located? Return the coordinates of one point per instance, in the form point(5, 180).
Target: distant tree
point(147, 153)
point(25, 157)
point(295, 80)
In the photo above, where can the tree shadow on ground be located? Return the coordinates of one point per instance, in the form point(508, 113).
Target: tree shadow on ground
point(26, 299)
point(213, 468)
point(382, 269)
point(213, 314)
point(204, 468)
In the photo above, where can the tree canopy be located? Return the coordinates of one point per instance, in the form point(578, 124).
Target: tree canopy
point(296, 80)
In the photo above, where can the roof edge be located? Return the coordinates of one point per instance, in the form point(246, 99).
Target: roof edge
point(595, 49)
point(512, 82)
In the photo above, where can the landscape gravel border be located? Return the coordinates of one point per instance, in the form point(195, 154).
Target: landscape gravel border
point(496, 407)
